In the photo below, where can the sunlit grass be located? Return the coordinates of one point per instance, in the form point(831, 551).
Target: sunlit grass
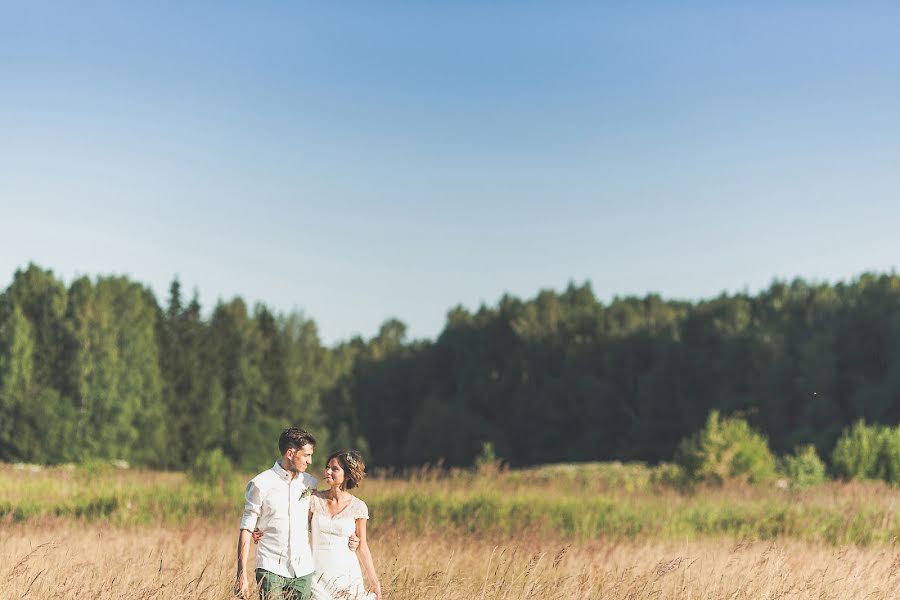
point(567, 502)
point(73, 559)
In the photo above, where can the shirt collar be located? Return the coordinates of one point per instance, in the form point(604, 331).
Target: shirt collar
point(282, 473)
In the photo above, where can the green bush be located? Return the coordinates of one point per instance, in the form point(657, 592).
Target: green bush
point(856, 452)
point(211, 467)
point(726, 449)
point(868, 452)
point(94, 467)
point(668, 474)
point(487, 460)
point(887, 464)
point(804, 467)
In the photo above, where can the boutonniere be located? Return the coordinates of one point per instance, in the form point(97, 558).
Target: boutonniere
point(306, 493)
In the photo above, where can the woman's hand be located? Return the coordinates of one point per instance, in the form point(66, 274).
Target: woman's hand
point(377, 590)
point(257, 535)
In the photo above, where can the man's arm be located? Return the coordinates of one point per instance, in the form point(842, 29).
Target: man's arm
point(242, 582)
point(249, 519)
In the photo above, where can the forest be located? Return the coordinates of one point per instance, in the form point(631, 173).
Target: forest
point(100, 369)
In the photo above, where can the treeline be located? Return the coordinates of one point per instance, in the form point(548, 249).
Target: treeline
point(100, 369)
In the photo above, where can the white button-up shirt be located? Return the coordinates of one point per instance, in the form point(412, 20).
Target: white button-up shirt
point(279, 506)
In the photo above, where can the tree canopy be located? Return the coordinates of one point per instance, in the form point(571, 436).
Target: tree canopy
point(100, 369)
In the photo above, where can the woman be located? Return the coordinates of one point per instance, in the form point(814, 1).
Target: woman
point(335, 514)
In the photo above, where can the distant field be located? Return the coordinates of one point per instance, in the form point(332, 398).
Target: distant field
point(564, 503)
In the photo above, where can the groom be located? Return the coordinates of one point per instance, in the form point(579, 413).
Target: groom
point(277, 502)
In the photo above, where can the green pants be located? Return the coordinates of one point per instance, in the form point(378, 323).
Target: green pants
point(276, 587)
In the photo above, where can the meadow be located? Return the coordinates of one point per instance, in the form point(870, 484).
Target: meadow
point(566, 531)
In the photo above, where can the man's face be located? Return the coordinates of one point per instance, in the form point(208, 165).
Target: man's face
point(300, 458)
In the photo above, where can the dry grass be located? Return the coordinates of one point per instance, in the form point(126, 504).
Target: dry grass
point(560, 532)
point(65, 559)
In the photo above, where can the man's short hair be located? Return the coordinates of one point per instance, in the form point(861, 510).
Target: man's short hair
point(294, 437)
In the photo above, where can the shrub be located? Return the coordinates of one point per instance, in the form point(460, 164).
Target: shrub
point(211, 467)
point(887, 463)
point(804, 467)
point(668, 474)
point(95, 467)
point(856, 452)
point(726, 449)
point(868, 452)
point(487, 460)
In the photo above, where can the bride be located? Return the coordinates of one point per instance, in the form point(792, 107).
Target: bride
point(335, 514)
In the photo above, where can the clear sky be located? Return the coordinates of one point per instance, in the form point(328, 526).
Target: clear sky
point(363, 160)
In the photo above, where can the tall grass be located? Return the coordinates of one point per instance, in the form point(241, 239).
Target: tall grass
point(573, 503)
point(72, 560)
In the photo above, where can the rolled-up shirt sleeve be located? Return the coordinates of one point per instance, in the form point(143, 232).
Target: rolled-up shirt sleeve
point(252, 506)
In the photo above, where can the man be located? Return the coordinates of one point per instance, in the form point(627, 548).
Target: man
point(277, 502)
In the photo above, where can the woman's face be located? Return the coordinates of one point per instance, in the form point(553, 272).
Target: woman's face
point(334, 474)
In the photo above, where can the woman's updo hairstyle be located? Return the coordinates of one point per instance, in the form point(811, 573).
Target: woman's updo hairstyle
point(353, 465)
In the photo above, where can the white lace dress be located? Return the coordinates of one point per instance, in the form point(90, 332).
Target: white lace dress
point(337, 575)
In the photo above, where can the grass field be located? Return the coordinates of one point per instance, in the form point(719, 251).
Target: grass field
point(72, 560)
point(569, 502)
point(567, 531)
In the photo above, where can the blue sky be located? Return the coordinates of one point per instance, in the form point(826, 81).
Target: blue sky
point(364, 160)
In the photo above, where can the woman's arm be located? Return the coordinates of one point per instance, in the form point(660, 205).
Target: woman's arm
point(365, 557)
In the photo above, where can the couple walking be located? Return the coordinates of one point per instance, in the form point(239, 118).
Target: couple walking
point(280, 506)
